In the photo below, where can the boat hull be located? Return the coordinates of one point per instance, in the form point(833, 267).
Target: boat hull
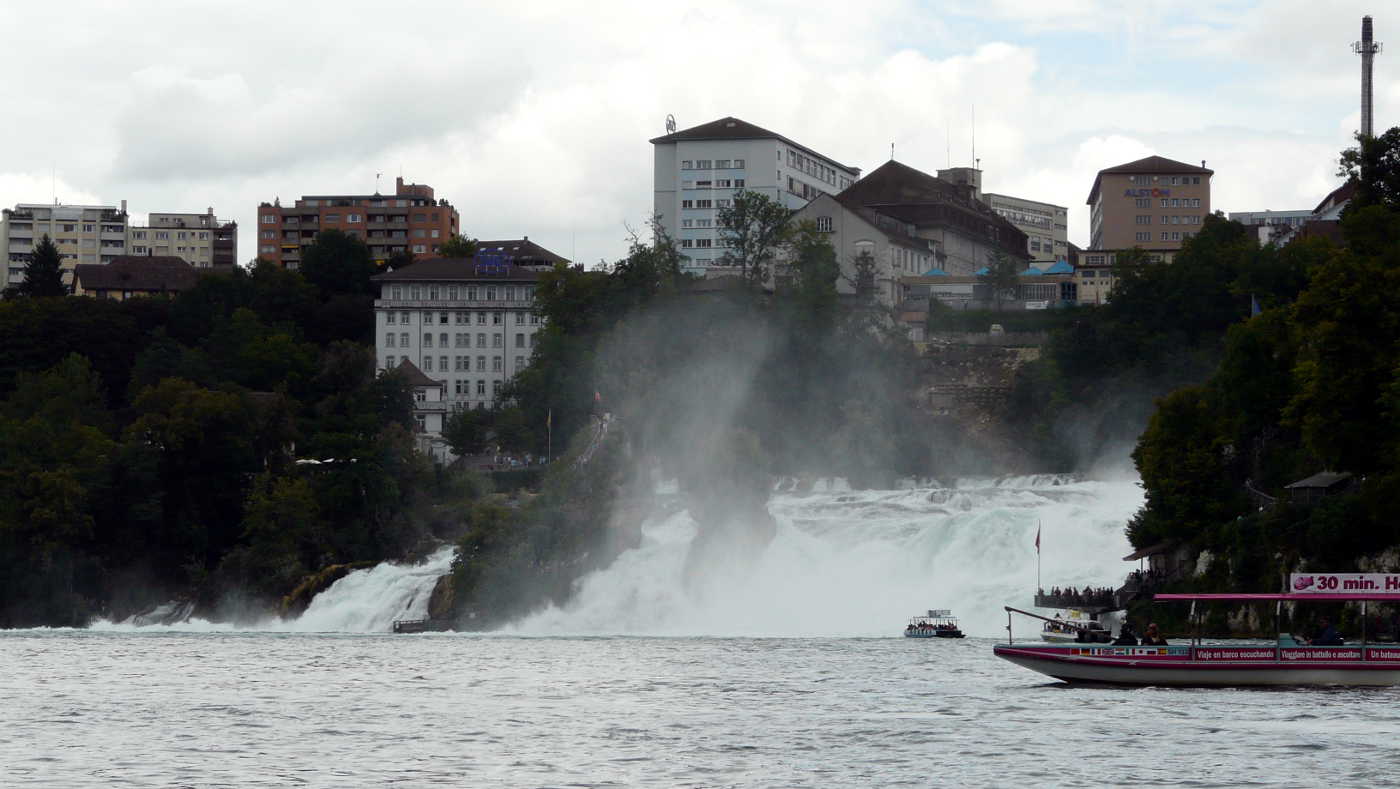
point(1209, 666)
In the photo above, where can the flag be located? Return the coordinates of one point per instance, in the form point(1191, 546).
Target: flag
point(549, 419)
point(1253, 306)
point(1037, 538)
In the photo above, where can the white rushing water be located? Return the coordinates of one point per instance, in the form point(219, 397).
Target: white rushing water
point(363, 601)
point(860, 563)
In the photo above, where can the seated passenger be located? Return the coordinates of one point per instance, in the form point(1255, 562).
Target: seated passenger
point(1126, 636)
point(1327, 636)
point(1153, 637)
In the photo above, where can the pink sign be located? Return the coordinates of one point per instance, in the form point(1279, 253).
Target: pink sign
point(1386, 654)
point(1345, 583)
point(1233, 653)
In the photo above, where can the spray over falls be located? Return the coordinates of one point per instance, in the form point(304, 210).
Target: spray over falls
point(857, 563)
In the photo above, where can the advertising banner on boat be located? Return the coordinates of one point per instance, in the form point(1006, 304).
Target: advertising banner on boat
point(1319, 654)
point(1384, 654)
point(1233, 653)
point(1345, 583)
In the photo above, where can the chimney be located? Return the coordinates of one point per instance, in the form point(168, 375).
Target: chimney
point(123, 206)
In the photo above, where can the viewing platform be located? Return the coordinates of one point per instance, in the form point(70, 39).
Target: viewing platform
point(421, 625)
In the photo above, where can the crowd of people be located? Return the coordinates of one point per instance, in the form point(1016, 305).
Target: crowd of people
point(1074, 597)
point(930, 627)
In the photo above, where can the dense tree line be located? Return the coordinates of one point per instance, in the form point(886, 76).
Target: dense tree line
point(148, 447)
point(1311, 383)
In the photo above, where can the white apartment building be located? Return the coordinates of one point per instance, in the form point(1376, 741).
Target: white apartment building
point(467, 324)
point(1045, 225)
point(82, 233)
point(201, 240)
point(698, 170)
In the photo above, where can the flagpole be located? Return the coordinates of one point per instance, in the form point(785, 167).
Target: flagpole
point(549, 437)
point(1037, 556)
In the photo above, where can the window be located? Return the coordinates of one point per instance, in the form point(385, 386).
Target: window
point(532, 340)
point(442, 340)
point(497, 339)
point(1142, 237)
point(722, 183)
point(824, 224)
point(269, 219)
point(332, 217)
point(420, 217)
point(481, 340)
point(403, 339)
point(481, 362)
point(427, 340)
point(519, 364)
point(1166, 220)
point(721, 164)
point(442, 318)
point(1165, 202)
point(403, 318)
point(496, 364)
point(427, 364)
point(738, 183)
point(702, 164)
point(687, 204)
point(704, 203)
point(459, 340)
point(427, 319)
point(481, 388)
point(1176, 236)
point(462, 318)
point(442, 363)
point(704, 184)
point(497, 318)
point(520, 340)
point(1195, 179)
point(1176, 220)
point(1176, 203)
point(352, 217)
point(1195, 202)
point(1165, 235)
point(685, 164)
point(704, 243)
point(389, 340)
point(1142, 219)
point(687, 223)
point(388, 362)
point(534, 320)
point(686, 243)
point(462, 386)
point(1144, 202)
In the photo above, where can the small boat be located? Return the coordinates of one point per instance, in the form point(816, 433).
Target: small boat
point(938, 623)
point(1074, 628)
point(1197, 664)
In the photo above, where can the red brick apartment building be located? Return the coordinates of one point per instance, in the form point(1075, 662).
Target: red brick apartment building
point(409, 220)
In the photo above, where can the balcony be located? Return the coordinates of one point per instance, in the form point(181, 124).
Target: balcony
point(434, 407)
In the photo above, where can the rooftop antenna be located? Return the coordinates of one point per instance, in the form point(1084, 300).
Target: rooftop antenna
point(1367, 48)
point(670, 123)
point(891, 151)
point(376, 182)
point(974, 132)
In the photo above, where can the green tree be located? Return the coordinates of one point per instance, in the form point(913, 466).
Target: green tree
point(753, 227)
point(457, 247)
point(863, 280)
point(466, 431)
point(814, 271)
point(43, 272)
point(1374, 166)
point(1002, 276)
point(338, 263)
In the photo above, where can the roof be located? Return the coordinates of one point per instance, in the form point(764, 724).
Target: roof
point(731, 128)
point(519, 248)
point(415, 376)
point(164, 273)
point(1317, 597)
point(1032, 271)
point(908, 195)
point(440, 269)
point(1322, 480)
point(1154, 550)
point(935, 272)
point(1151, 164)
point(1060, 267)
point(1337, 196)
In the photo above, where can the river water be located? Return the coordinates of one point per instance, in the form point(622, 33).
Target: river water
point(779, 667)
point(91, 708)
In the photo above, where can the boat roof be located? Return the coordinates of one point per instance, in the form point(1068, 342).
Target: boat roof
point(1261, 597)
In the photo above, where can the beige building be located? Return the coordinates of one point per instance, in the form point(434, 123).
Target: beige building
point(199, 239)
point(132, 276)
point(82, 233)
point(1153, 203)
point(1046, 225)
point(911, 223)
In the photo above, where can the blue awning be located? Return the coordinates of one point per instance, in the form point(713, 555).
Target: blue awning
point(1060, 267)
point(935, 272)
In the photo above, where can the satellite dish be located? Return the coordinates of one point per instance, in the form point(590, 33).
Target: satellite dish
point(670, 124)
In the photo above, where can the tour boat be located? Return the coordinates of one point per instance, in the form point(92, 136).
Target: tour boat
point(938, 623)
point(1286, 662)
point(1074, 627)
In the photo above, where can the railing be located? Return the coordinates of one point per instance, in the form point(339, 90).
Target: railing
point(421, 625)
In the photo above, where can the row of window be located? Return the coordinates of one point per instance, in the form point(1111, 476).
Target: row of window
point(462, 340)
point(461, 318)
point(804, 190)
point(716, 183)
point(462, 293)
point(1174, 235)
point(722, 203)
point(716, 164)
point(459, 364)
point(816, 169)
point(1173, 180)
point(1172, 219)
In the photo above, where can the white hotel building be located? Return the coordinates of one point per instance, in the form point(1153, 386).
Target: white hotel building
point(466, 324)
point(698, 170)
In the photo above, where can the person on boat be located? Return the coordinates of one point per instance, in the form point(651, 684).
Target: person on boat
point(1126, 636)
point(1327, 636)
point(1153, 636)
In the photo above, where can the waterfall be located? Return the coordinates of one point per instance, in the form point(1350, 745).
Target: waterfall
point(370, 600)
point(860, 563)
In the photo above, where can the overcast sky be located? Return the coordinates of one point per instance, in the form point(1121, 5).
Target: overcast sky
point(533, 117)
